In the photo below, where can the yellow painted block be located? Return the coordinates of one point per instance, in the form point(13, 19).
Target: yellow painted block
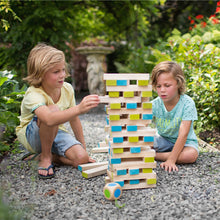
point(111, 82)
point(147, 170)
point(128, 94)
point(151, 181)
point(149, 159)
point(147, 105)
point(118, 150)
point(115, 105)
point(134, 117)
point(143, 82)
point(133, 139)
point(114, 117)
point(113, 94)
point(146, 94)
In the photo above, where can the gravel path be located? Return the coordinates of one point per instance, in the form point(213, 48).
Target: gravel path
point(191, 193)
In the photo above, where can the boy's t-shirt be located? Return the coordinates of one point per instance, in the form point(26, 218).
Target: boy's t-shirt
point(36, 97)
point(168, 123)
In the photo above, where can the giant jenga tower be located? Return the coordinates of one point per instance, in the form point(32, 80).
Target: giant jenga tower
point(129, 110)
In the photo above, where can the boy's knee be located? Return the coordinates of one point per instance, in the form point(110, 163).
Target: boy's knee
point(191, 155)
point(81, 158)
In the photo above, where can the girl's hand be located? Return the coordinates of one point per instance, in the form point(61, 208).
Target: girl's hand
point(169, 166)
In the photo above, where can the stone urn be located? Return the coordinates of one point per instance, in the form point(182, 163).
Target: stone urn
point(96, 57)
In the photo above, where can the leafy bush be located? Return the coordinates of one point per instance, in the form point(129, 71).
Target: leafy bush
point(10, 100)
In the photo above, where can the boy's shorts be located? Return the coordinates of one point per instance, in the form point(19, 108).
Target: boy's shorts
point(161, 144)
point(62, 142)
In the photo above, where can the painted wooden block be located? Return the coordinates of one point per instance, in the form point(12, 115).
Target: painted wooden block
point(121, 82)
point(134, 171)
point(88, 166)
point(114, 117)
point(118, 150)
point(115, 161)
point(134, 150)
point(128, 94)
point(115, 105)
point(100, 149)
point(121, 172)
point(146, 94)
point(132, 128)
point(147, 170)
point(151, 181)
point(131, 105)
point(133, 139)
point(111, 82)
point(123, 76)
point(118, 139)
point(143, 82)
point(129, 88)
point(113, 94)
point(134, 182)
point(116, 128)
point(148, 139)
point(149, 159)
point(147, 116)
point(134, 116)
point(95, 171)
point(107, 120)
point(147, 105)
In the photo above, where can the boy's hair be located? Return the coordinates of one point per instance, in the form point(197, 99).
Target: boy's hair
point(169, 67)
point(42, 58)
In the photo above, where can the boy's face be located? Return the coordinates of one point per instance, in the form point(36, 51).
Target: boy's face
point(167, 88)
point(54, 77)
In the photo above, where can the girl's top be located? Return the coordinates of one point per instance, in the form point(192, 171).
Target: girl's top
point(168, 122)
point(36, 97)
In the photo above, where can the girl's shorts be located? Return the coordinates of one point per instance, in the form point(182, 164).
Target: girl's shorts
point(62, 142)
point(161, 144)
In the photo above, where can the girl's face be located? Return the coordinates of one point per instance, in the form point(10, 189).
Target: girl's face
point(54, 77)
point(167, 88)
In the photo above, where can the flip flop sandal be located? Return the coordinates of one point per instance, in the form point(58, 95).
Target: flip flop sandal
point(25, 156)
point(48, 176)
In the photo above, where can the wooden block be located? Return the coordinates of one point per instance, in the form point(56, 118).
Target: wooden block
point(143, 82)
point(99, 150)
point(130, 122)
point(107, 99)
point(129, 111)
point(142, 184)
point(127, 144)
point(132, 164)
point(95, 171)
point(88, 166)
point(135, 88)
point(126, 76)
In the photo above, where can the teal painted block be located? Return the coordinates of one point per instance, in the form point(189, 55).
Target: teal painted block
point(148, 139)
point(79, 168)
point(147, 116)
point(115, 160)
point(116, 128)
point(107, 120)
point(132, 128)
point(121, 183)
point(134, 182)
point(121, 82)
point(118, 139)
point(131, 105)
point(135, 149)
point(134, 171)
point(121, 172)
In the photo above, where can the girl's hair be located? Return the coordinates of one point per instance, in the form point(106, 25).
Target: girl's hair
point(169, 67)
point(42, 58)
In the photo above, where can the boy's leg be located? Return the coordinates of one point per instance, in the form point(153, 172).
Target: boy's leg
point(188, 155)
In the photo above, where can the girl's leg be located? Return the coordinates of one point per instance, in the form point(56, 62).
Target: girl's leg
point(188, 155)
point(75, 156)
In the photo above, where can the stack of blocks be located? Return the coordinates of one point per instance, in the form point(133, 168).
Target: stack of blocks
point(129, 140)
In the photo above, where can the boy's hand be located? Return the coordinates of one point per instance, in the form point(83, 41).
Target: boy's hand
point(169, 166)
point(88, 102)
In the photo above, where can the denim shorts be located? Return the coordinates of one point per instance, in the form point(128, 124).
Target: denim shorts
point(161, 144)
point(62, 142)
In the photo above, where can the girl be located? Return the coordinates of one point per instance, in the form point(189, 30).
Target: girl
point(174, 113)
point(48, 103)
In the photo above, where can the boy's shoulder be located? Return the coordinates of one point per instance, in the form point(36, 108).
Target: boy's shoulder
point(187, 98)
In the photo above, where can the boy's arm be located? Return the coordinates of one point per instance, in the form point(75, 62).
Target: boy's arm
point(170, 163)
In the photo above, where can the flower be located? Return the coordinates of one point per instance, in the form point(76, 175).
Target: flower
point(192, 21)
point(217, 10)
point(199, 17)
point(189, 18)
point(218, 3)
point(203, 24)
point(215, 21)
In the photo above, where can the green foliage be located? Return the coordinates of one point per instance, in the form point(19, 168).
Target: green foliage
point(10, 100)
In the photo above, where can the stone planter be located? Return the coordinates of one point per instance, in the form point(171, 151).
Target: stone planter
point(96, 57)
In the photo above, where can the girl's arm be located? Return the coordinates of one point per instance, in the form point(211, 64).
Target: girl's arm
point(170, 163)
